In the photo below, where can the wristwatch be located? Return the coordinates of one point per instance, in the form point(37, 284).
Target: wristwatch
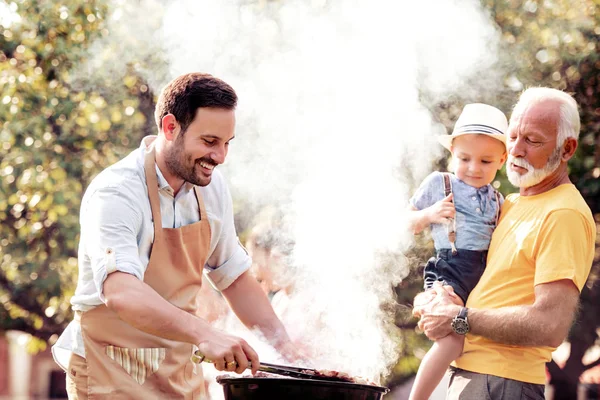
point(460, 325)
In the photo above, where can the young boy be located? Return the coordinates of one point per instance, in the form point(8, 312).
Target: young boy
point(462, 210)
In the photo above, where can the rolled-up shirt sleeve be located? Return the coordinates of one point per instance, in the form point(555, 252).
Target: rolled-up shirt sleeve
point(229, 260)
point(109, 230)
point(427, 194)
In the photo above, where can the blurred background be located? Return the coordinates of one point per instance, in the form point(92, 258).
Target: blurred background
point(340, 105)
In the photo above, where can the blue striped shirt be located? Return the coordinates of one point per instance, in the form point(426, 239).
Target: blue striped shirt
point(475, 211)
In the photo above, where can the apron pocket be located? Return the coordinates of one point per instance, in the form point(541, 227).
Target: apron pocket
point(138, 363)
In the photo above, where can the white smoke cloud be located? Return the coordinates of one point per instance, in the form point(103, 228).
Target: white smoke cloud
point(331, 129)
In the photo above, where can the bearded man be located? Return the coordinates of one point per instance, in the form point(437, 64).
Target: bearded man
point(152, 226)
point(539, 259)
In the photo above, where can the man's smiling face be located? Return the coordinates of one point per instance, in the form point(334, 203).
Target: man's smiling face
point(196, 152)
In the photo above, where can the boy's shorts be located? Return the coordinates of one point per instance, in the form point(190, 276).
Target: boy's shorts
point(461, 271)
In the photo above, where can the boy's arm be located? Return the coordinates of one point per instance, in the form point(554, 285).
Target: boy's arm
point(438, 213)
point(418, 220)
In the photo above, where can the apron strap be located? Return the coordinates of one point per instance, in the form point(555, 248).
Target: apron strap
point(200, 200)
point(152, 183)
point(451, 227)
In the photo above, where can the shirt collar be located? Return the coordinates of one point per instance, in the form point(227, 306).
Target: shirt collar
point(484, 189)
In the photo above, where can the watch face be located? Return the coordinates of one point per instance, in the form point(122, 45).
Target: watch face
point(460, 326)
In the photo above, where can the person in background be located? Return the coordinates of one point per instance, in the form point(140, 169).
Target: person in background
point(270, 246)
point(153, 227)
point(539, 259)
point(462, 207)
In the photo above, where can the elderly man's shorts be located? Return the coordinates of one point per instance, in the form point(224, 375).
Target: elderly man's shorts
point(461, 271)
point(471, 385)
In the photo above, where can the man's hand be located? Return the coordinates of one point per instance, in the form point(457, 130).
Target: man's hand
point(441, 211)
point(437, 313)
point(427, 296)
point(227, 352)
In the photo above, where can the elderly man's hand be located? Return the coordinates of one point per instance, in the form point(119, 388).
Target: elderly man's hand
point(427, 296)
point(437, 308)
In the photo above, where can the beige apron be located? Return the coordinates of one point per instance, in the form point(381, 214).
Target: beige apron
point(126, 363)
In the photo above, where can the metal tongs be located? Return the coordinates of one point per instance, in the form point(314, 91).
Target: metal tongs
point(285, 370)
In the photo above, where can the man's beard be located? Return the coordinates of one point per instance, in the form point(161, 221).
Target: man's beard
point(183, 166)
point(533, 176)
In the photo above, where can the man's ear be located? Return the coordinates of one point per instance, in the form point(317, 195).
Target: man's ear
point(170, 127)
point(568, 149)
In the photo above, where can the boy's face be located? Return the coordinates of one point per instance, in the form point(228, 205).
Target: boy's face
point(476, 158)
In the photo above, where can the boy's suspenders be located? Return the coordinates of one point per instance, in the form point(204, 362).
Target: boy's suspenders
point(451, 226)
point(497, 207)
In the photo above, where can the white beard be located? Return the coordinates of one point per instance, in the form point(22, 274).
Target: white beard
point(533, 176)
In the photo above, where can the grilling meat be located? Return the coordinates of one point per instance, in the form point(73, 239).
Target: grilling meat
point(342, 376)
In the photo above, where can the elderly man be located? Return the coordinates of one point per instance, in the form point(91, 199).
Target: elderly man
point(153, 226)
point(539, 259)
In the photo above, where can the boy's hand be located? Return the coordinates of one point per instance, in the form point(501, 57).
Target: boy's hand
point(442, 211)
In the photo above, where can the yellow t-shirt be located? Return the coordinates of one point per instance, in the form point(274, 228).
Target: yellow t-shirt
point(539, 239)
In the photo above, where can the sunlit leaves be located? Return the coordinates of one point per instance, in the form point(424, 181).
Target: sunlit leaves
point(56, 135)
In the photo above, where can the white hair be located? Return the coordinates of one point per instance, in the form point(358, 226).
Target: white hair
point(569, 124)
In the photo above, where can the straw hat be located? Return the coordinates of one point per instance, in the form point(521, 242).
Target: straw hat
point(480, 119)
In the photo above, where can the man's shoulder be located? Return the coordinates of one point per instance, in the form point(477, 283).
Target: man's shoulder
point(125, 177)
point(568, 197)
point(436, 179)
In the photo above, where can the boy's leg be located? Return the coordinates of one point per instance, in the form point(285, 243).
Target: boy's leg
point(434, 365)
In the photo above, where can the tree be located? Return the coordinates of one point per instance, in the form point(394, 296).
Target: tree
point(56, 135)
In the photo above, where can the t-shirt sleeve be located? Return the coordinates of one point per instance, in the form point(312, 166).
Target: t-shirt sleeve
point(564, 248)
point(109, 227)
point(428, 191)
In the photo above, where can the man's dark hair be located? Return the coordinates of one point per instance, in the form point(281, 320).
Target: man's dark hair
point(185, 94)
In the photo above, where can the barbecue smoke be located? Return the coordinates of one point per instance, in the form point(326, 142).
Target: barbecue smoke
point(332, 133)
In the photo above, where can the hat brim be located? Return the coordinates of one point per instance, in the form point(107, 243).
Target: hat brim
point(446, 140)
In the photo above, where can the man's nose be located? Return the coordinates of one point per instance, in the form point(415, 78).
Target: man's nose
point(516, 148)
point(219, 154)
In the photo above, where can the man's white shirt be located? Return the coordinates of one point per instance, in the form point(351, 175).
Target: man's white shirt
point(117, 234)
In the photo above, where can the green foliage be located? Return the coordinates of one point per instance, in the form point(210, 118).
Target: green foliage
point(555, 44)
point(55, 136)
